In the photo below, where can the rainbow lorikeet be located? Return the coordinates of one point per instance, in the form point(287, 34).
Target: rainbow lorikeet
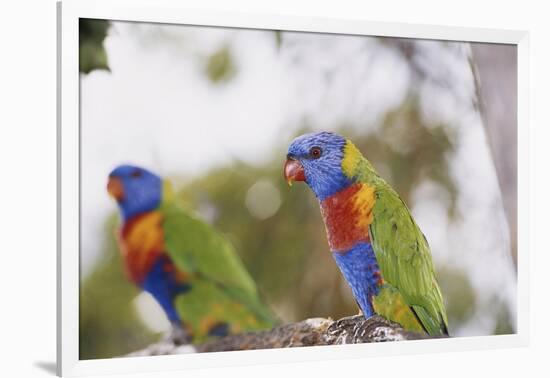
point(376, 243)
point(189, 268)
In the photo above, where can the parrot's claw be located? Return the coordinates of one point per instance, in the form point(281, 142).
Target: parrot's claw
point(178, 336)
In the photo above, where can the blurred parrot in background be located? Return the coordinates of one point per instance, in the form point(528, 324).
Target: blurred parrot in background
point(189, 268)
point(379, 248)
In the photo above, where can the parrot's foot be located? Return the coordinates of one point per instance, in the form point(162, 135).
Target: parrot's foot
point(177, 336)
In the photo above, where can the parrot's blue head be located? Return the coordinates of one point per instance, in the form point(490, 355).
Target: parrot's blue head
point(317, 159)
point(135, 189)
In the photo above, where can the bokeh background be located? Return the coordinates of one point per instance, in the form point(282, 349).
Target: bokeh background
point(214, 109)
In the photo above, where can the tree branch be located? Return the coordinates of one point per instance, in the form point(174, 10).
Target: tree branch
point(310, 332)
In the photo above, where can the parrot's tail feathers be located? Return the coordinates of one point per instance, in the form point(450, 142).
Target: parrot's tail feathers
point(419, 320)
point(433, 325)
point(444, 328)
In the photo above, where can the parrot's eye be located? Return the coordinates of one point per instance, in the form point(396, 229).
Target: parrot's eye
point(315, 152)
point(136, 173)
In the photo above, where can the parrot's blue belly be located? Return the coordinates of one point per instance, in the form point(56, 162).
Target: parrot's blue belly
point(163, 285)
point(361, 271)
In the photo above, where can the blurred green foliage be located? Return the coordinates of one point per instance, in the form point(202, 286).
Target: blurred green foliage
point(220, 65)
point(92, 54)
point(504, 322)
point(459, 295)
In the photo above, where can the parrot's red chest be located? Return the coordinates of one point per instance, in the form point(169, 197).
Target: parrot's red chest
point(347, 216)
point(141, 242)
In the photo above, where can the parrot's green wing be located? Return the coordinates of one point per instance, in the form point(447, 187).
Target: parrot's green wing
point(404, 256)
point(220, 282)
point(405, 260)
point(196, 247)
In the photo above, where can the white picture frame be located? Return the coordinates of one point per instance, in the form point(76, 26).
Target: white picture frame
point(173, 11)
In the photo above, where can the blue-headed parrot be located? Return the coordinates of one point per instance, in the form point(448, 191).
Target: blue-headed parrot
point(191, 270)
point(379, 248)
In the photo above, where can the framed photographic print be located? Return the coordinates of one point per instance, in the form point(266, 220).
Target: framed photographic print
point(240, 190)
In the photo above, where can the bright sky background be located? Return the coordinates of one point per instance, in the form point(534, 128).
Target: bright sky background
point(157, 109)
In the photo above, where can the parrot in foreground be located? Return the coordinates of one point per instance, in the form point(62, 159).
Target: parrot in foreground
point(378, 247)
point(191, 270)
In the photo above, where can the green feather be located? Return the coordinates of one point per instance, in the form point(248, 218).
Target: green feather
point(222, 291)
point(403, 253)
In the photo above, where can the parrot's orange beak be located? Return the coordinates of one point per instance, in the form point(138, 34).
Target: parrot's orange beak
point(293, 171)
point(115, 188)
